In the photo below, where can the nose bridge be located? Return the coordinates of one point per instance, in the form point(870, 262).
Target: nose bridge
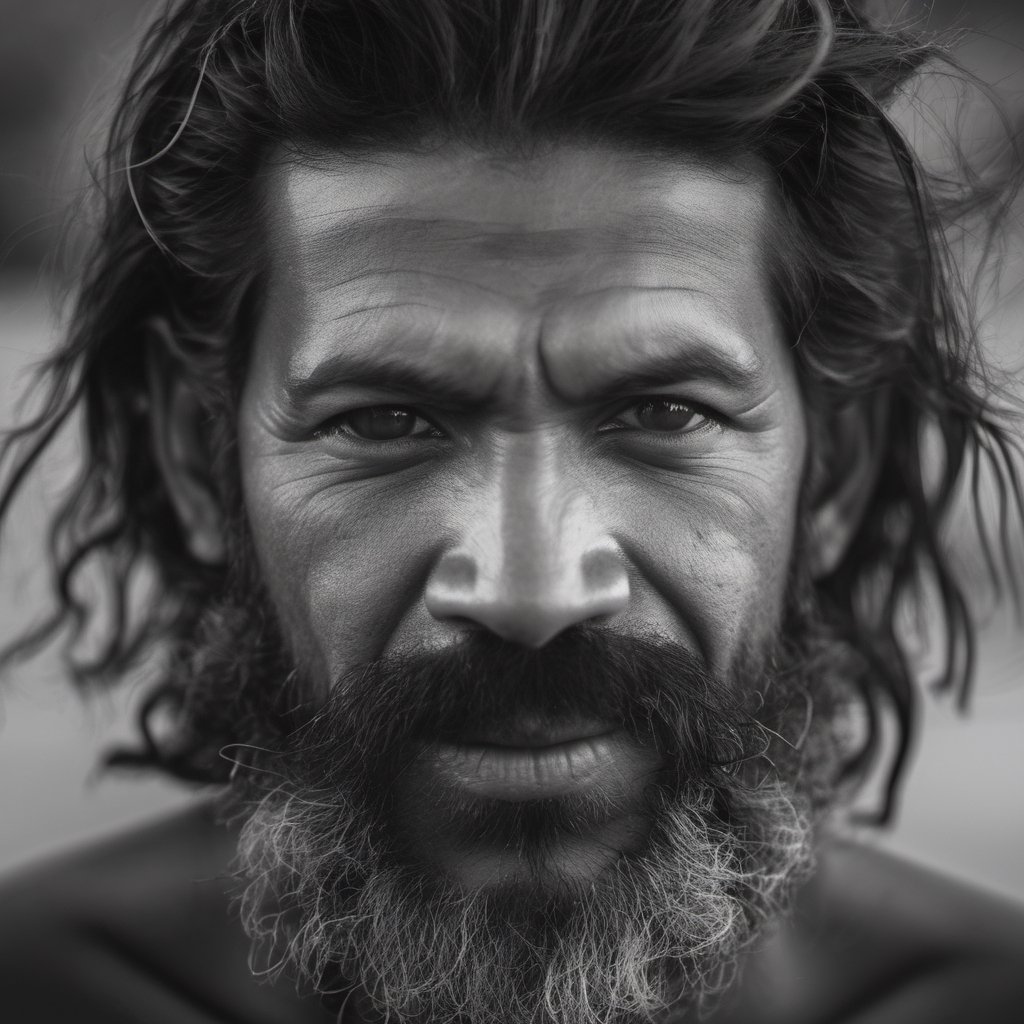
point(541, 520)
point(536, 558)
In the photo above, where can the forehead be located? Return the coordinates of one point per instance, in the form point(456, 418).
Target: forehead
point(330, 210)
point(461, 253)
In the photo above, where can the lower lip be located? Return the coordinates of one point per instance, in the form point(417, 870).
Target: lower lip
point(612, 763)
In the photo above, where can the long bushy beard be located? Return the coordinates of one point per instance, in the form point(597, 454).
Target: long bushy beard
point(656, 932)
point(334, 896)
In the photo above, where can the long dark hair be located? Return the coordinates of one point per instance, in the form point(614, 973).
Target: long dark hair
point(875, 310)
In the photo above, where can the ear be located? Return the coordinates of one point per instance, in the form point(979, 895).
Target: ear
point(181, 451)
point(846, 461)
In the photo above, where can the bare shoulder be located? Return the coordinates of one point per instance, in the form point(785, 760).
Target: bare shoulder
point(134, 927)
point(910, 943)
point(159, 870)
point(75, 926)
point(908, 903)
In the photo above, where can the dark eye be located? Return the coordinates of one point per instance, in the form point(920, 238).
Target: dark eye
point(380, 423)
point(664, 415)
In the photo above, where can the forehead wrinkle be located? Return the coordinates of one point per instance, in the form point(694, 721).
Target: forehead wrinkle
point(329, 187)
point(384, 343)
point(655, 334)
point(378, 239)
point(331, 239)
point(342, 252)
point(332, 252)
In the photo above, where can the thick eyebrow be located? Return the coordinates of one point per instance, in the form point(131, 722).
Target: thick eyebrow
point(697, 361)
point(394, 375)
point(385, 373)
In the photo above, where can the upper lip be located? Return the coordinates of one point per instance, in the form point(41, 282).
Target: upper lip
point(537, 733)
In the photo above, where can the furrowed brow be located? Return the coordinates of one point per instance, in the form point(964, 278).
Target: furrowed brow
point(695, 362)
point(379, 372)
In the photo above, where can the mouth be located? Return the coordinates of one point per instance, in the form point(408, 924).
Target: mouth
point(531, 763)
point(552, 801)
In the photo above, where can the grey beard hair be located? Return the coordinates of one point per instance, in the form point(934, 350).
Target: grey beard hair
point(660, 931)
point(325, 901)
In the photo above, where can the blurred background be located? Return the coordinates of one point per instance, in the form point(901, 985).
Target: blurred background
point(963, 806)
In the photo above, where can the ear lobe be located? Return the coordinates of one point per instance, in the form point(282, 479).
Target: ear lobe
point(845, 471)
point(181, 452)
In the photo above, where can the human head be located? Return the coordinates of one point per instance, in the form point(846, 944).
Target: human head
point(860, 286)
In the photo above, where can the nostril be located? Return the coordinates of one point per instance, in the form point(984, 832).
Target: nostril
point(528, 604)
point(602, 570)
point(457, 571)
point(451, 589)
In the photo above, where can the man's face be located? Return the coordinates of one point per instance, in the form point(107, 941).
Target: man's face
point(512, 398)
point(521, 444)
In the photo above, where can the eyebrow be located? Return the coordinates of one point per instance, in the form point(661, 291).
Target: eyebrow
point(381, 372)
point(701, 360)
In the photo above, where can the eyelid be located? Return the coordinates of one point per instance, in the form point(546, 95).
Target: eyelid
point(324, 429)
point(715, 418)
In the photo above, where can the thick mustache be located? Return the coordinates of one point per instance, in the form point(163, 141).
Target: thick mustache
point(660, 691)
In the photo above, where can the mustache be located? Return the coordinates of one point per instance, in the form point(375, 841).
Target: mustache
point(376, 716)
point(339, 890)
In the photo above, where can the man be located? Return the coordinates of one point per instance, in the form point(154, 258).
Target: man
point(506, 420)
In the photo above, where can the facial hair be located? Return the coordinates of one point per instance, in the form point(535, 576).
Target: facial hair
point(334, 896)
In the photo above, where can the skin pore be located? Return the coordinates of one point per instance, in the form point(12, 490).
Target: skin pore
point(520, 396)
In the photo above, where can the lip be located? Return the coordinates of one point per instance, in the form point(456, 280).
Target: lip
point(535, 733)
point(610, 762)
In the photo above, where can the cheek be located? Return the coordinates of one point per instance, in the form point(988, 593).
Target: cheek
point(714, 550)
point(744, 593)
point(342, 562)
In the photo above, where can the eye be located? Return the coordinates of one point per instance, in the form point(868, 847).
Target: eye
point(661, 415)
point(380, 423)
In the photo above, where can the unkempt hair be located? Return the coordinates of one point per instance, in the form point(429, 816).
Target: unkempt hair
point(873, 307)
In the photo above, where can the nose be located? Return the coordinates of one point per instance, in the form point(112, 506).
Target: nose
point(534, 561)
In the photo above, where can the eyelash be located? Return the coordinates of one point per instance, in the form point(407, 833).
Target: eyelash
point(709, 418)
point(331, 427)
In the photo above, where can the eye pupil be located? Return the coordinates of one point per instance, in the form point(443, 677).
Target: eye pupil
point(662, 414)
point(382, 423)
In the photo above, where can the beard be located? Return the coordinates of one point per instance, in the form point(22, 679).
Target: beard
point(337, 894)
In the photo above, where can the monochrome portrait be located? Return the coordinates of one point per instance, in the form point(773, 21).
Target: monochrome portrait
point(529, 466)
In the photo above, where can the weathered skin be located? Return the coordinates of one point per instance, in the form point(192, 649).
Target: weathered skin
point(522, 309)
point(524, 295)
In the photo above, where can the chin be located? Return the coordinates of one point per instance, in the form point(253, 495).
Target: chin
point(577, 927)
point(551, 845)
point(575, 865)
